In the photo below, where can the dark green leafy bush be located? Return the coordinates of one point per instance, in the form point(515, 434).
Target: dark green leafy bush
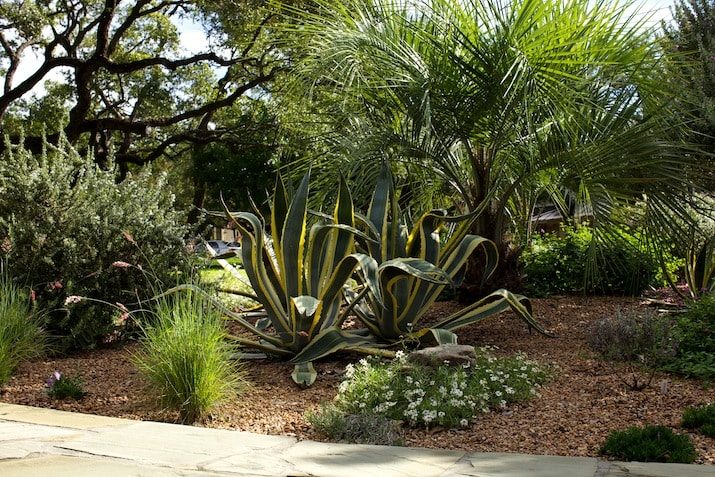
point(363, 428)
point(695, 330)
point(701, 418)
point(60, 386)
point(650, 444)
point(64, 223)
point(634, 342)
point(558, 263)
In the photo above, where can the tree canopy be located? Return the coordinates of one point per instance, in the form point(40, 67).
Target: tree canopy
point(500, 104)
point(692, 39)
point(126, 83)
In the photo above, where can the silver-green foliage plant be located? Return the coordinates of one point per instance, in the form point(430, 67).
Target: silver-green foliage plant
point(21, 337)
point(187, 360)
point(361, 428)
point(63, 223)
point(449, 396)
point(409, 268)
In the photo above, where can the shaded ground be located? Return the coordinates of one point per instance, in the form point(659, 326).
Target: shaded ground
point(572, 416)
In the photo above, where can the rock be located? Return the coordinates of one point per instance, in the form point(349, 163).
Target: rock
point(449, 354)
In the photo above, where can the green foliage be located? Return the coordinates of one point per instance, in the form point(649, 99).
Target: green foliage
point(557, 263)
point(650, 444)
point(298, 274)
point(497, 104)
point(61, 386)
point(20, 335)
point(363, 428)
point(64, 222)
point(701, 418)
point(186, 358)
point(692, 37)
point(410, 268)
point(695, 331)
point(445, 395)
point(140, 89)
point(643, 340)
point(237, 169)
point(698, 247)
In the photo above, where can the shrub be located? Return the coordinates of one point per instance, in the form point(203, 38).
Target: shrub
point(701, 418)
point(363, 428)
point(20, 335)
point(558, 263)
point(186, 359)
point(650, 444)
point(64, 222)
point(60, 386)
point(695, 330)
point(634, 340)
point(444, 395)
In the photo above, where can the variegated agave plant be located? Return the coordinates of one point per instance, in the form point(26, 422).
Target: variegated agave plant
point(700, 268)
point(298, 277)
point(408, 271)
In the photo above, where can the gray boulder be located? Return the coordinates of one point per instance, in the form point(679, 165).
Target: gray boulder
point(449, 354)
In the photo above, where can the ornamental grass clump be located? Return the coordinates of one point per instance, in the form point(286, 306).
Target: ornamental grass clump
point(187, 361)
point(21, 337)
point(448, 396)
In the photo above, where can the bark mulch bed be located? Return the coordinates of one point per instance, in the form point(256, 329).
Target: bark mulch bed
point(572, 415)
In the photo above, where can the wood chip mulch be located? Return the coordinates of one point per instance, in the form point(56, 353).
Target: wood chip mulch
point(572, 416)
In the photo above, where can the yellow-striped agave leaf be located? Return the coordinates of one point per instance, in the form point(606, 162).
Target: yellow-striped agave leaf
point(492, 304)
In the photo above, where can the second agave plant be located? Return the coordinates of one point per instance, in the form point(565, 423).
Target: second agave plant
point(409, 269)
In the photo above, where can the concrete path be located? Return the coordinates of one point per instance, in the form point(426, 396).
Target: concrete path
point(44, 442)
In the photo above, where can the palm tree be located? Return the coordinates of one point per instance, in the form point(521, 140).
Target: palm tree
point(501, 103)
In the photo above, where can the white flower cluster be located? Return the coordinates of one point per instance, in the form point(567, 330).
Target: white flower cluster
point(445, 396)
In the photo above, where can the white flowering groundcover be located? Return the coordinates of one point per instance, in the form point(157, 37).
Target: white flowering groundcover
point(448, 396)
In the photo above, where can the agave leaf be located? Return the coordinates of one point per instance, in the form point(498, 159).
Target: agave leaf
point(263, 278)
point(435, 336)
point(263, 324)
point(423, 241)
point(329, 341)
point(343, 241)
point(292, 242)
point(306, 305)
point(279, 211)
point(320, 240)
point(378, 212)
point(492, 304)
point(304, 374)
point(331, 294)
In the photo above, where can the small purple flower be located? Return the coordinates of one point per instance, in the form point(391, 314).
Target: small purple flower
point(56, 376)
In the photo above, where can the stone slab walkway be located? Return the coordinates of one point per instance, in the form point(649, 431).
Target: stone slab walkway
point(45, 442)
